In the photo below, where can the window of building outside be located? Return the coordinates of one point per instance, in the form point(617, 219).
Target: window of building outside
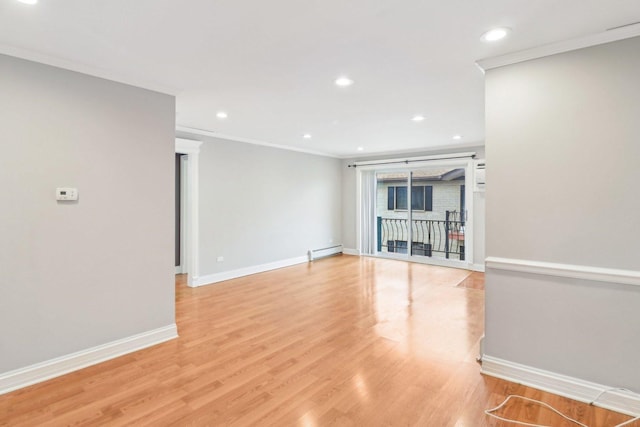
point(421, 198)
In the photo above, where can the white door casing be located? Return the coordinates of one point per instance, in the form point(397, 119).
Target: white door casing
point(191, 246)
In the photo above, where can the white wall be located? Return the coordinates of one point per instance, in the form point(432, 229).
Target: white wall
point(349, 201)
point(260, 205)
point(571, 117)
point(81, 274)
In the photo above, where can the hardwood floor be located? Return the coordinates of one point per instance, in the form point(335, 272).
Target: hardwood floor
point(344, 341)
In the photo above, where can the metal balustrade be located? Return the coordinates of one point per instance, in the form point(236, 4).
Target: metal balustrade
point(428, 236)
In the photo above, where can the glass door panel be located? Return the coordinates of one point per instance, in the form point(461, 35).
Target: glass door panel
point(438, 212)
point(392, 210)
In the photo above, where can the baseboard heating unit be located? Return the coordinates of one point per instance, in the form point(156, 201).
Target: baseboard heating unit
point(324, 252)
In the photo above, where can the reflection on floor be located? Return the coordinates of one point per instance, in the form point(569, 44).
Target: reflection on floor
point(343, 341)
point(473, 281)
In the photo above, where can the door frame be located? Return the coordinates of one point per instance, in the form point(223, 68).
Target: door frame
point(467, 163)
point(190, 221)
point(182, 268)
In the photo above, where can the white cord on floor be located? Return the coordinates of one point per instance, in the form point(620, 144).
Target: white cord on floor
point(490, 412)
point(626, 423)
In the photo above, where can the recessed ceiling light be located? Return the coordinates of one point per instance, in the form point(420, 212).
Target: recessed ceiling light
point(221, 115)
point(28, 1)
point(360, 148)
point(344, 81)
point(307, 136)
point(495, 34)
point(417, 118)
point(457, 137)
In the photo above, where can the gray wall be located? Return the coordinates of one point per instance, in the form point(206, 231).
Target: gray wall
point(76, 275)
point(349, 202)
point(570, 118)
point(567, 118)
point(260, 204)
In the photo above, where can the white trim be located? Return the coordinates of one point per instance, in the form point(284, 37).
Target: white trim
point(573, 388)
point(584, 272)
point(204, 132)
point(191, 247)
point(179, 269)
point(349, 251)
point(608, 36)
point(380, 163)
point(184, 189)
point(43, 371)
point(78, 67)
point(246, 271)
point(187, 146)
point(358, 179)
point(478, 267)
point(439, 262)
point(470, 213)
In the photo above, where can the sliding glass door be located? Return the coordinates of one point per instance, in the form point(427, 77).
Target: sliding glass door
point(421, 213)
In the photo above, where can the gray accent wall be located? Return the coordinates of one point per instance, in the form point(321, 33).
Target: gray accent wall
point(75, 275)
point(260, 204)
point(562, 170)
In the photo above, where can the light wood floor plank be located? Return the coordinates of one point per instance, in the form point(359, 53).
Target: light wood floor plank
point(344, 341)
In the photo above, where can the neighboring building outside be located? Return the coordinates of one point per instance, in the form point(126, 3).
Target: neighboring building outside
point(434, 193)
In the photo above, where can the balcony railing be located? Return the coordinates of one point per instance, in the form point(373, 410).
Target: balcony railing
point(428, 236)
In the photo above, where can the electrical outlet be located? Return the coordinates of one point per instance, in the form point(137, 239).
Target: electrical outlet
point(220, 259)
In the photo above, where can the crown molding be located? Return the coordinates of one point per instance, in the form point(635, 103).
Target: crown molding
point(612, 35)
point(377, 155)
point(78, 67)
point(204, 132)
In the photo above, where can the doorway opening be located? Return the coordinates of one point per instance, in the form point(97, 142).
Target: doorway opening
point(180, 207)
point(187, 159)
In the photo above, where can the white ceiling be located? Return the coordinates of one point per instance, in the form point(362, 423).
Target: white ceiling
point(271, 64)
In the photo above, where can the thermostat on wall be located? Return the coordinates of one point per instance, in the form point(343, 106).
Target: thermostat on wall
point(66, 193)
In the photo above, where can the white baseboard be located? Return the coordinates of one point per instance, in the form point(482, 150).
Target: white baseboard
point(478, 267)
point(246, 271)
point(573, 388)
point(46, 370)
point(178, 269)
point(349, 251)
